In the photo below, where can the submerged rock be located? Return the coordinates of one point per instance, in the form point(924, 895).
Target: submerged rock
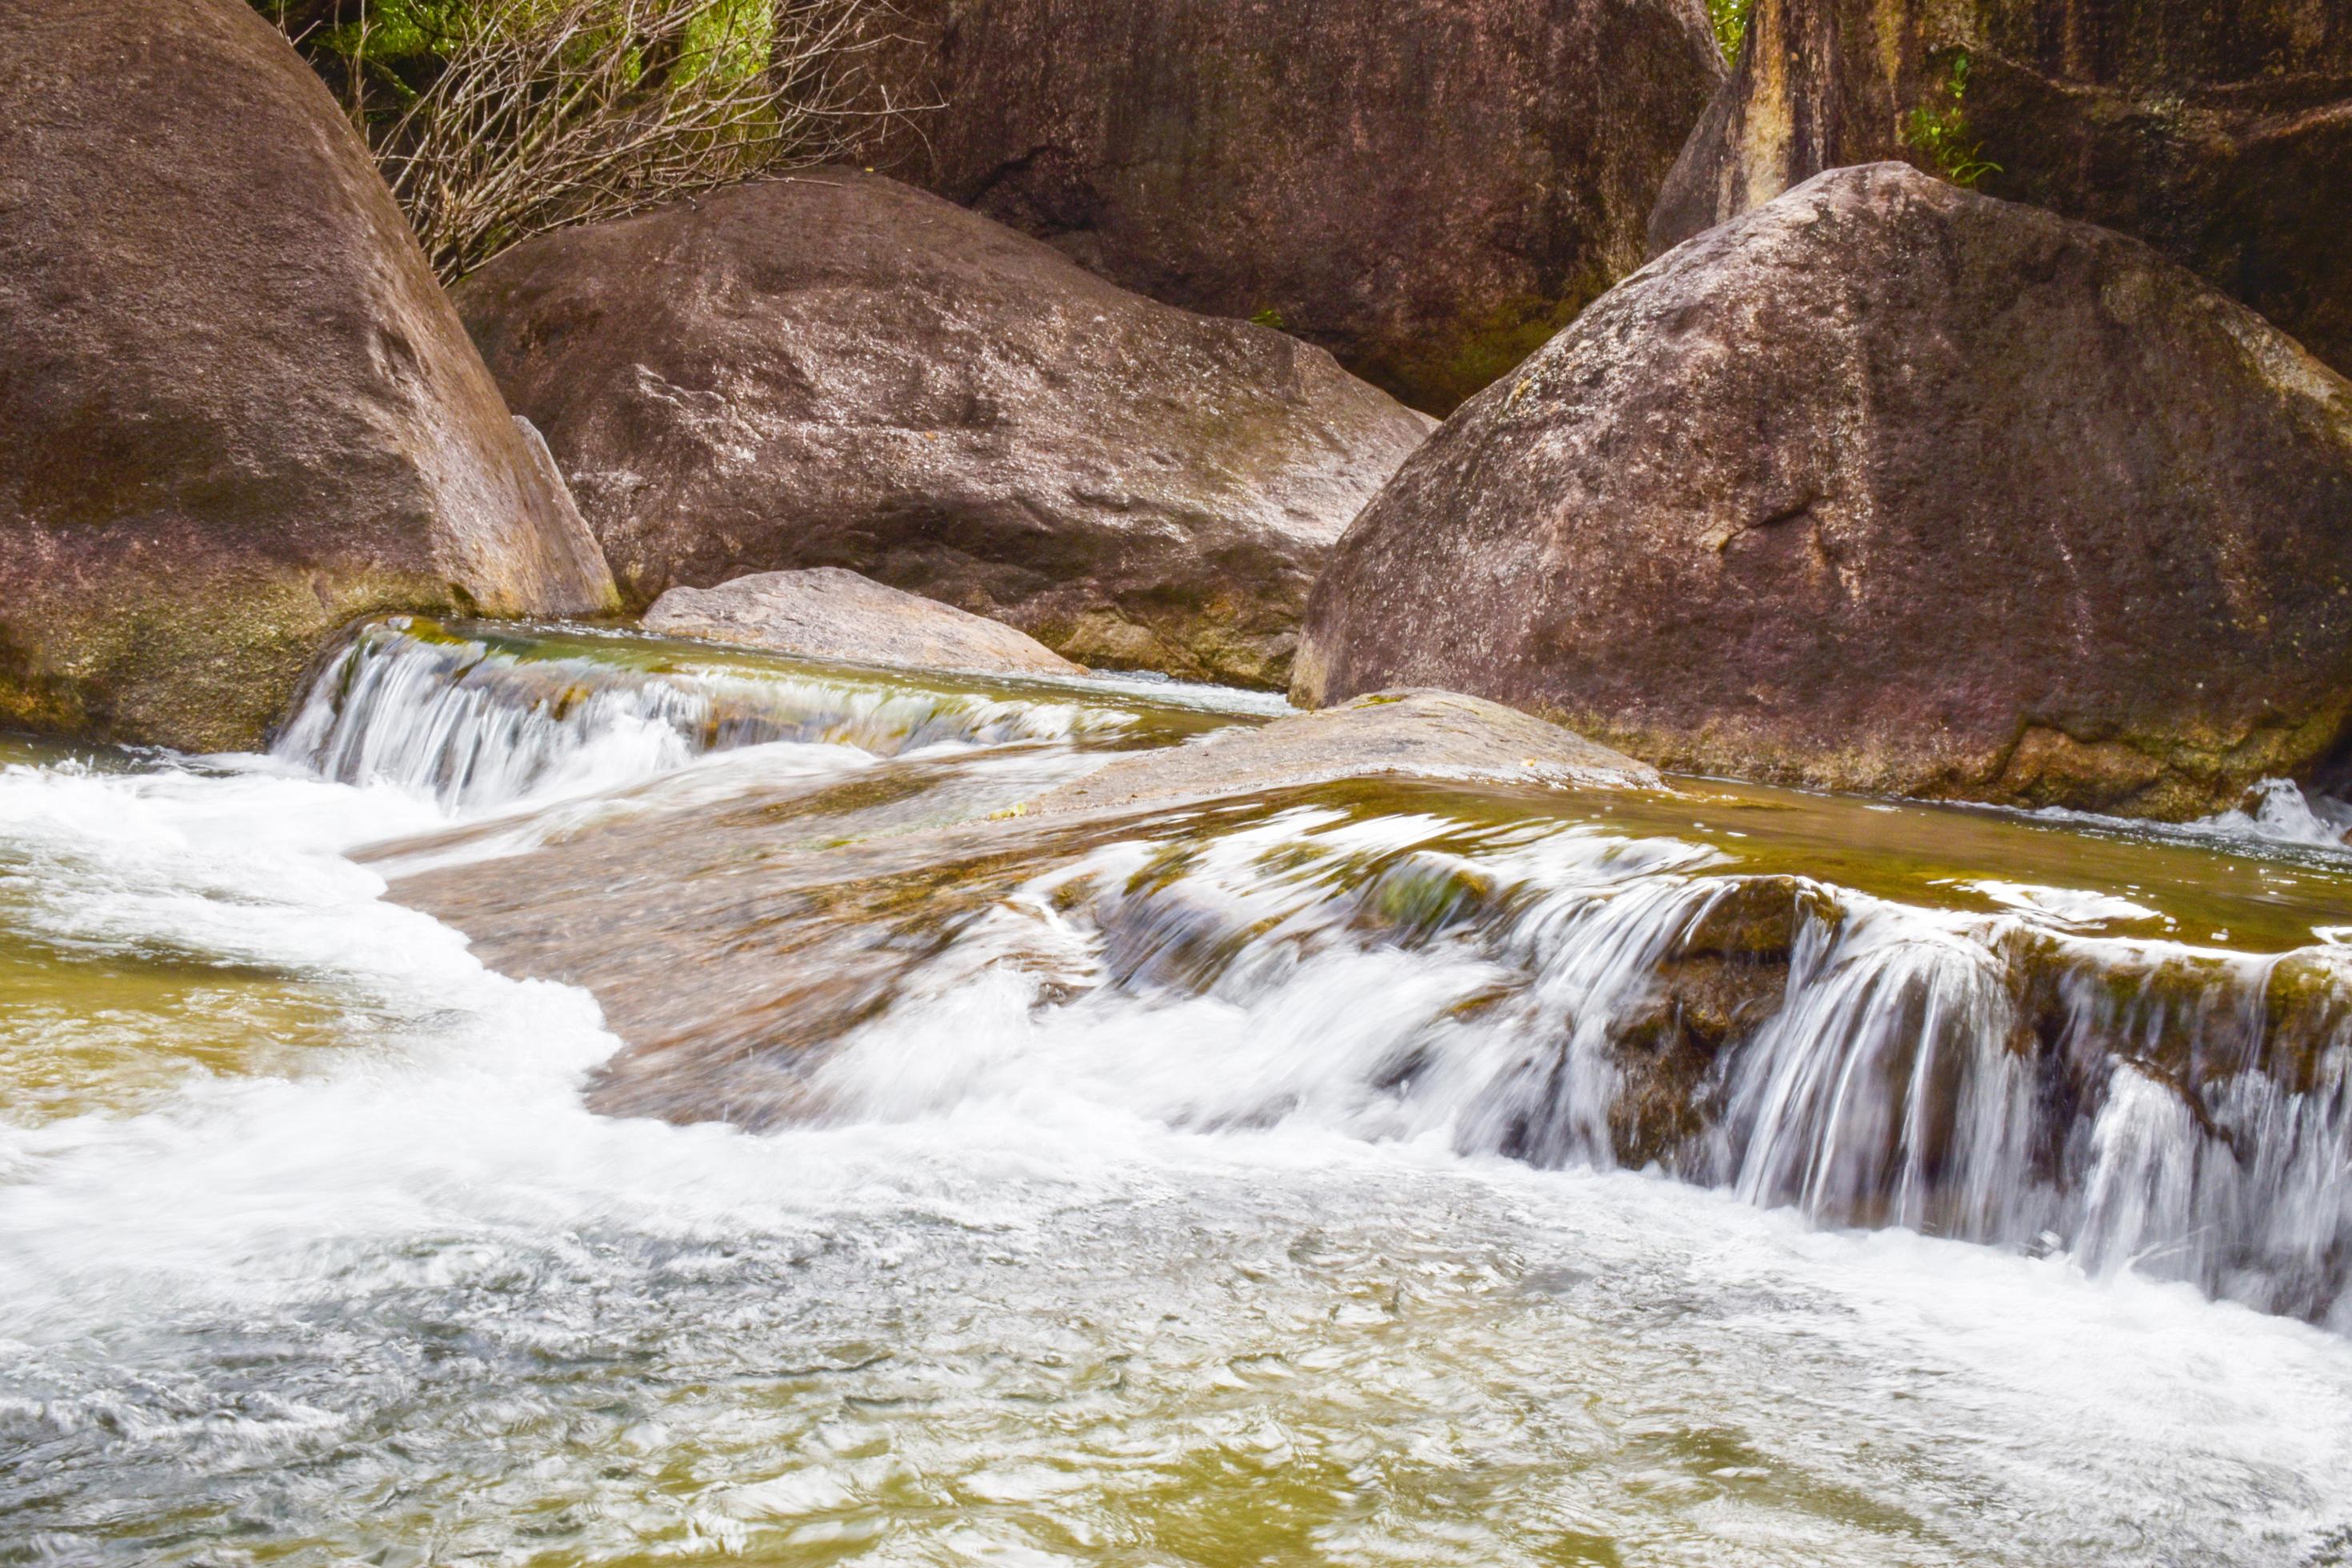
point(827, 612)
point(1429, 190)
point(2221, 134)
point(1413, 734)
point(837, 370)
point(1712, 980)
point(239, 411)
point(1889, 487)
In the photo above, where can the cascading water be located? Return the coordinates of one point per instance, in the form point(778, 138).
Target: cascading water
point(1270, 1178)
point(1988, 1076)
point(1992, 1078)
point(476, 718)
point(1977, 1077)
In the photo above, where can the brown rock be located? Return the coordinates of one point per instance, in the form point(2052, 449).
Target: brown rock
point(838, 369)
point(1721, 979)
point(237, 410)
point(831, 613)
point(1888, 487)
point(1429, 188)
point(2220, 134)
point(1411, 734)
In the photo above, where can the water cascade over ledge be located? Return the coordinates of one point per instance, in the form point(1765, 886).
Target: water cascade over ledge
point(600, 1098)
point(481, 716)
point(1810, 1009)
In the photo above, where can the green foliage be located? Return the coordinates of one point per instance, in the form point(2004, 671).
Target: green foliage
point(1940, 131)
point(1270, 317)
point(399, 29)
point(385, 50)
point(732, 41)
point(1730, 19)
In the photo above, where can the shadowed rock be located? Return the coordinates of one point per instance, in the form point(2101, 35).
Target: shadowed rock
point(830, 613)
point(840, 370)
point(2220, 134)
point(237, 410)
point(1413, 734)
point(1889, 487)
point(1429, 188)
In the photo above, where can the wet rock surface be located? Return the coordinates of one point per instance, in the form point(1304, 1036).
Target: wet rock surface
point(753, 937)
point(1413, 734)
point(1429, 188)
point(778, 924)
point(1889, 487)
point(239, 411)
point(836, 369)
point(2220, 134)
point(830, 613)
point(1721, 978)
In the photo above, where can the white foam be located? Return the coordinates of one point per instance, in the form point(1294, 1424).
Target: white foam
point(1052, 1276)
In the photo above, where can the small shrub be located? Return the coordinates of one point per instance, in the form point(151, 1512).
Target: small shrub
point(1939, 131)
point(1730, 19)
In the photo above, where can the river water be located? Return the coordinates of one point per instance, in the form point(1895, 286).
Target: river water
point(590, 1099)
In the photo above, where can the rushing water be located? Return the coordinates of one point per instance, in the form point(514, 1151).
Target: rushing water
point(1363, 1172)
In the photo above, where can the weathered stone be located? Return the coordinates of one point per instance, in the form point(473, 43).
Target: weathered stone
point(2221, 134)
point(1889, 487)
point(726, 947)
point(1429, 188)
point(1413, 734)
point(836, 369)
point(238, 412)
point(827, 612)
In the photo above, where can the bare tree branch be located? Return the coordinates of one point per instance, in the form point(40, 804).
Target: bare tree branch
point(549, 113)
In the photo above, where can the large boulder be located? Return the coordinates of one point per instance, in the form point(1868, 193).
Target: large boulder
point(829, 614)
point(239, 411)
point(1429, 188)
point(1889, 487)
point(2220, 134)
point(836, 369)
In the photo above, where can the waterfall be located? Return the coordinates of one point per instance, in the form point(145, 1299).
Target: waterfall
point(1584, 999)
point(478, 718)
point(1554, 991)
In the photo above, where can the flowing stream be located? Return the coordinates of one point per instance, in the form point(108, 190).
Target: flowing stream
point(586, 1098)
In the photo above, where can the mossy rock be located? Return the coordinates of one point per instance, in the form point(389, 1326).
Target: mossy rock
point(239, 411)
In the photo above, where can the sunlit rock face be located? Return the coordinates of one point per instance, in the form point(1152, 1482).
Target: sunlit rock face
point(236, 410)
point(2221, 134)
point(837, 370)
point(1391, 734)
point(1886, 486)
point(827, 612)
